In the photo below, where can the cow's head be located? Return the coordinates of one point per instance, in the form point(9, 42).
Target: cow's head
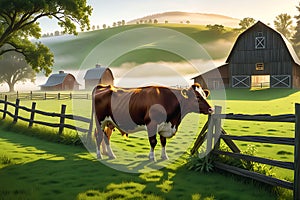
point(196, 98)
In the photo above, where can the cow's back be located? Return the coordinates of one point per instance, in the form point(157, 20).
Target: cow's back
point(162, 100)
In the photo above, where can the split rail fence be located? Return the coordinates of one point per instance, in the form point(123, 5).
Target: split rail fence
point(45, 95)
point(212, 132)
point(62, 116)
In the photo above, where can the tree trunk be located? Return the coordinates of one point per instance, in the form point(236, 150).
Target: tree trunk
point(11, 87)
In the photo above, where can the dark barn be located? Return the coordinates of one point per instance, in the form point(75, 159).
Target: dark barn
point(60, 81)
point(98, 75)
point(260, 57)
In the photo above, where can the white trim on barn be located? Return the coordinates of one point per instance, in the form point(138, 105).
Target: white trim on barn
point(280, 81)
point(241, 82)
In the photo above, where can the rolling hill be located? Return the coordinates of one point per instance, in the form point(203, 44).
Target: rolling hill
point(138, 44)
point(194, 18)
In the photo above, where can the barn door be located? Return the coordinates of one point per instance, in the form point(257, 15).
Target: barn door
point(241, 81)
point(280, 81)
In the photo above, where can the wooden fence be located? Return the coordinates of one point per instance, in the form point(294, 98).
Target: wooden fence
point(45, 95)
point(33, 111)
point(212, 132)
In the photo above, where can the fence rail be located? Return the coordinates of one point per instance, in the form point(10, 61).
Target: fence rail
point(212, 132)
point(45, 95)
point(31, 120)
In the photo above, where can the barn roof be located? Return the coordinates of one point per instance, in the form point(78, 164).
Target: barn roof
point(56, 79)
point(96, 73)
point(286, 42)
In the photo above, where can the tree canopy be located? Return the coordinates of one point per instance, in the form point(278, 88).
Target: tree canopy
point(19, 23)
point(296, 36)
point(283, 24)
point(14, 68)
point(246, 23)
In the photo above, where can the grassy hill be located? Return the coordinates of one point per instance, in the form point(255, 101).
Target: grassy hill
point(193, 18)
point(139, 44)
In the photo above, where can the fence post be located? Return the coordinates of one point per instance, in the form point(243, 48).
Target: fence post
point(32, 114)
point(70, 95)
point(58, 96)
point(209, 135)
point(5, 107)
point(16, 110)
point(45, 97)
point(297, 154)
point(62, 119)
point(218, 128)
point(30, 95)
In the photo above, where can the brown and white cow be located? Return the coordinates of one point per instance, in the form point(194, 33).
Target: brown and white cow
point(155, 109)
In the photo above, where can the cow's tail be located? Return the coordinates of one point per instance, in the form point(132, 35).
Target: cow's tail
point(93, 110)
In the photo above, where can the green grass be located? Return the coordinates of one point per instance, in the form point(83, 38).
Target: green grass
point(45, 170)
point(162, 183)
point(70, 53)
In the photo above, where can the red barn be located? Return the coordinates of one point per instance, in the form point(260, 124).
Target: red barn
point(61, 81)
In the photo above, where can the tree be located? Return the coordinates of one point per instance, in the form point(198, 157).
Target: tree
point(246, 23)
point(123, 22)
point(104, 26)
point(283, 24)
point(215, 28)
point(188, 22)
point(296, 36)
point(18, 23)
point(155, 21)
point(14, 68)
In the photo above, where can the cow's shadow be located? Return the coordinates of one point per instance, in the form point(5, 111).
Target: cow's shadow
point(139, 164)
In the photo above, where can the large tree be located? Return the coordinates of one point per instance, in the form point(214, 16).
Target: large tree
point(19, 23)
point(283, 24)
point(246, 23)
point(296, 36)
point(14, 68)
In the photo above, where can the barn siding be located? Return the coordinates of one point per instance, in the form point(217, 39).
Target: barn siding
point(275, 55)
point(278, 57)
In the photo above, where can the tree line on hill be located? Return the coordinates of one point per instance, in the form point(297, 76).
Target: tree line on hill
point(21, 58)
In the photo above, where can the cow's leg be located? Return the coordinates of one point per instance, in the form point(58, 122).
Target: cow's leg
point(99, 137)
point(152, 129)
point(153, 143)
point(104, 149)
point(163, 142)
point(110, 153)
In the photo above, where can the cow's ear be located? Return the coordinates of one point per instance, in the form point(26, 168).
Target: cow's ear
point(184, 93)
point(207, 92)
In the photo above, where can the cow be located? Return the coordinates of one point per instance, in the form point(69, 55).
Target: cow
point(156, 109)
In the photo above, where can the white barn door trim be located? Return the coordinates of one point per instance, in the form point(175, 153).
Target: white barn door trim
point(280, 81)
point(241, 81)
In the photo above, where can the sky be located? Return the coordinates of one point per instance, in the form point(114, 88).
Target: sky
point(107, 12)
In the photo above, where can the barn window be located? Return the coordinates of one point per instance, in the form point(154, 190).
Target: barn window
point(259, 66)
point(260, 42)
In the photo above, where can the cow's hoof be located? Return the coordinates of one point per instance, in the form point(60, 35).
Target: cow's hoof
point(112, 157)
point(152, 159)
point(99, 157)
point(165, 157)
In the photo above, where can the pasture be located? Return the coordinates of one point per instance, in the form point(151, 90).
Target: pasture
point(168, 182)
point(37, 169)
